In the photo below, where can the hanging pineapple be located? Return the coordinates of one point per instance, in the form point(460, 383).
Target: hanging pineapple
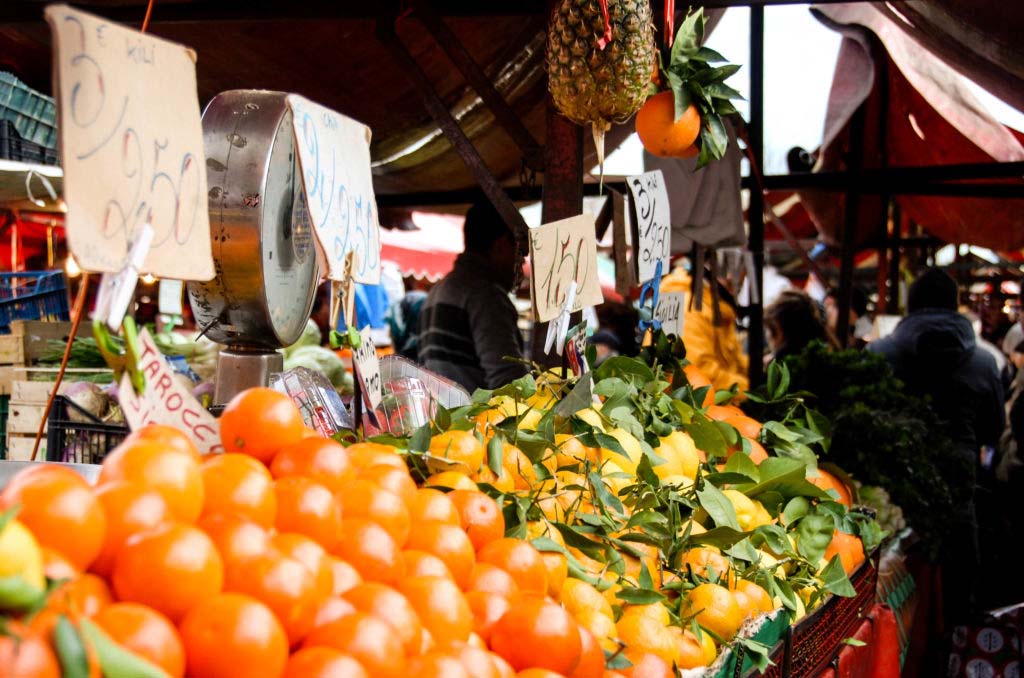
point(601, 58)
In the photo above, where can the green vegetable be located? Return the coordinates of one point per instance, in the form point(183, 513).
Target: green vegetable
point(320, 359)
point(310, 336)
point(84, 353)
point(116, 661)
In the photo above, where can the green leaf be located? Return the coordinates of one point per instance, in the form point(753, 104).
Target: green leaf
point(580, 397)
point(71, 652)
point(718, 137)
point(628, 369)
point(494, 454)
point(709, 55)
point(420, 439)
point(680, 95)
point(576, 540)
point(635, 596)
point(779, 430)
point(616, 660)
point(814, 534)
point(521, 388)
point(773, 537)
point(797, 508)
point(688, 37)
point(835, 581)
point(645, 472)
point(718, 506)
point(854, 642)
point(743, 550)
point(645, 580)
point(707, 437)
point(721, 537)
point(742, 464)
point(603, 495)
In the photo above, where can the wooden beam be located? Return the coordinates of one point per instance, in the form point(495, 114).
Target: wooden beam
point(755, 136)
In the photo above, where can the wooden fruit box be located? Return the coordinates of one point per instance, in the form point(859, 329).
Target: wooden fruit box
point(28, 341)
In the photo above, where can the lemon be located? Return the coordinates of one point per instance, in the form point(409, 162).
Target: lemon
point(530, 420)
point(685, 453)
point(20, 554)
point(591, 416)
point(630, 445)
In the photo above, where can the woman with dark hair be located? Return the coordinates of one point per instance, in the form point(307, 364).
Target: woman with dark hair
point(791, 322)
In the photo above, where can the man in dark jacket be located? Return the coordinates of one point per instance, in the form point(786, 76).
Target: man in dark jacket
point(468, 325)
point(934, 351)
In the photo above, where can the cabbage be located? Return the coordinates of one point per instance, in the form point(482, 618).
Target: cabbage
point(320, 359)
point(310, 337)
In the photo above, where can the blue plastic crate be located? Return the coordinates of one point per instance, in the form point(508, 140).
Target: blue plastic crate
point(32, 295)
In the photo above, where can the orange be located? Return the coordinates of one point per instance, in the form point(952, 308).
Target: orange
point(557, 566)
point(570, 451)
point(502, 483)
point(168, 436)
point(518, 466)
point(759, 598)
point(478, 661)
point(323, 662)
point(479, 515)
point(343, 575)
point(390, 606)
point(146, 633)
point(450, 544)
point(25, 653)
point(757, 451)
point(170, 568)
point(827, 481)
point(538, 673)
point(88, 594)
point(366, 499)
point(487, 609)
point(396, 480)
point(643, 633)
point(281, 583)
point(732, 415)
point(538, 633)
point(319, 459)
point(647, 665)
point(176, 475)
point(715, 609)
point(520, 560)
point(706, 562)
point(366, 454)
point(365, 638)
point(659, 130)
point(331, 609)
point(461, 448)
point(442, 608)
point(56, 566)
point(849, 548)
point(578, 597)
point(236, 538)
point(237, 483)
point(430, 505)
point(591, 664)
point(453, 480)
point(371, 550)
point(691, 651)
point(698, 380)
point(60, 510)
point(307, 507)
point(493, 579)
point(423, 564)
point(259, 422)
point(312, 556)
point(437, 665)
point(230, 635)
point(130, 508)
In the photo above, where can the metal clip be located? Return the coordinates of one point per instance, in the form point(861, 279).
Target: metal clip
point(558, 327)
point(649, 293)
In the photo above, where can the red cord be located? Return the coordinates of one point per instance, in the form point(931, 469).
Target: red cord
point(149, 13)
point(607, 37)
point(670, 22)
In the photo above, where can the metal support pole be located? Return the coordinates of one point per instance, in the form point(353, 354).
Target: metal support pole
point(450, 126)
point(892, 306)
point(850, 220)
point(562, 189)
point(755, 135)
point(475, 76)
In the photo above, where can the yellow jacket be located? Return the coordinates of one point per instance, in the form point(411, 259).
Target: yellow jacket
point(715, 349)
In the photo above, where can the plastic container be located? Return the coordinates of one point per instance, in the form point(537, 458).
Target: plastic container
point(76, 436)
point(321, 407)
point(13, 147)
point(32, 295)
point(32, 113)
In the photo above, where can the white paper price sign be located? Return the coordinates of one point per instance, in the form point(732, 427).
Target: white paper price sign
point(368, 368)
point(562, 252)
point(670, 312)
point(653, 234)
point(334, 154)
point(131, 146)
point(165, 400)
point(169, 296)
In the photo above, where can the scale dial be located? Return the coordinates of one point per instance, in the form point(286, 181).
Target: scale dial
point(263, 249)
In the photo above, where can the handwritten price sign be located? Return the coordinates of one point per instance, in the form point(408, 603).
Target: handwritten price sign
point(653, 235)
point(561, 252)
point(334, 154)
point(131, 146)
point(368, 368)
point(670, 312)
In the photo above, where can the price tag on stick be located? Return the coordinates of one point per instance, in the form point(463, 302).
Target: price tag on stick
point(652, 232)
point(367, 367)
point(131, 144)
point(334, 154)
point(669, 312)
point(563, 252)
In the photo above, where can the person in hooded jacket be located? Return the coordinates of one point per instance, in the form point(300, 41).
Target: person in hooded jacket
point(933, 350)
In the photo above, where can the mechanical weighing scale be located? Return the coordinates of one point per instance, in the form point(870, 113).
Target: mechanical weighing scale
point(263, 243)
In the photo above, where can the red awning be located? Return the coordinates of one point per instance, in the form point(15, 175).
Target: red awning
point(428, 252)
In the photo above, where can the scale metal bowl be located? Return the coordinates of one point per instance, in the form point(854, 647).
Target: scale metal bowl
point(263, 242)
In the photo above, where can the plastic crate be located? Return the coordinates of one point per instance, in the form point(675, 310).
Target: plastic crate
point(13, 147)
point(32, 295)
point(32, 113)
point(74, 435)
